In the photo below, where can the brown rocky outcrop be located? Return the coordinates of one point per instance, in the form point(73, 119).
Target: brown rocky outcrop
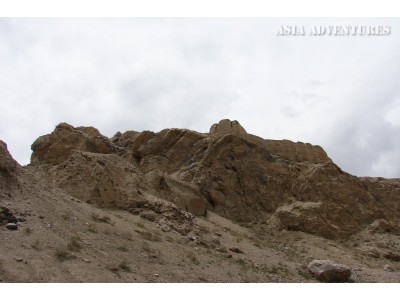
point(58, 146)
point(228, 127)
point(281, 184)
point(385, 191)
point(7, 164)
point(329, 202)
point(298, 152)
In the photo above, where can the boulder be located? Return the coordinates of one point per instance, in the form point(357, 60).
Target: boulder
point(328, 271)
point(388, 268)
point(391, 255)
point(12, 226)
point(7, 216)
point(235, 250)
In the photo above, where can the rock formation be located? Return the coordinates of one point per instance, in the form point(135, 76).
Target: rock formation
point(228, 127)
point(8, 168)
point(8, 165)
point(56, 147)
point(275, 184)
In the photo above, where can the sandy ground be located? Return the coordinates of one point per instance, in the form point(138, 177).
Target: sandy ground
point(62, 239)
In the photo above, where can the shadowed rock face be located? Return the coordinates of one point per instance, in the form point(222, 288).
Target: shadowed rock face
point(279, 184)
point(7, 164)
point(8, 168)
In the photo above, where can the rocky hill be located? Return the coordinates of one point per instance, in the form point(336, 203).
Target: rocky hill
point(180, 206)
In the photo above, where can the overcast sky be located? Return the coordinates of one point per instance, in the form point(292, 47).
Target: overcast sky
point(340, 92)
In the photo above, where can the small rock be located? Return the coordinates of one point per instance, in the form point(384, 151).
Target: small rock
point(392, 256)
point(21, 219)
point(205, 244)
point(70, 255)
point(165, 228)
point(193, 238)
point(41, 217)
point(228, 255)
point(149, 215)
point(86, 260)
point(12, 226)
point(217, 234)
point(221, 249)
point(388, 268)
point(18, 259)
point(328, 271)
point(372, 253)
point(156, 274)
point(236, 250)
point(216, 242)
point(134, 211)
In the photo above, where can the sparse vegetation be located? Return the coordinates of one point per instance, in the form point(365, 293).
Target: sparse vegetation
point(222, 250)
point(127, 235)
point(37, 245)
point(146, 247)
point(147, 235)
point(244, 266)
point(124, 265)
point(98, 218)
point(304, 273)
point(92, 228)
point(239, 239)
point(169, 239)
point(61, 254)
point(203, 229)
point(74, 244)
point(28, 230)
point(279, 269)
point(123, 248)
point(66, 216)
point(274, 270)
point(140, 224)
point(193, 257)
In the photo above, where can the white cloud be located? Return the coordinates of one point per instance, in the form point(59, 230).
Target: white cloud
point(120, 74)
